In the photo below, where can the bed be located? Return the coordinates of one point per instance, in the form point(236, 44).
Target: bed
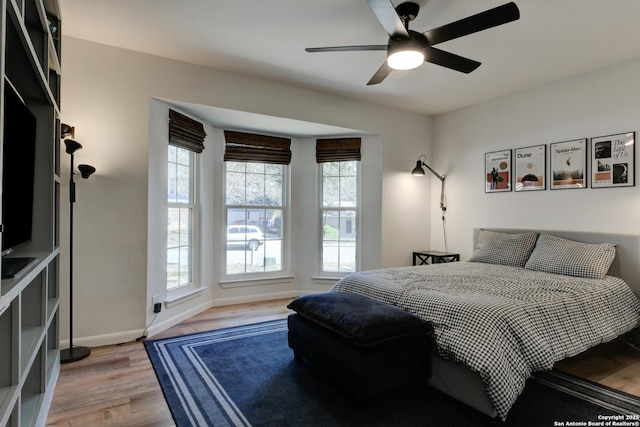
point(523, 301)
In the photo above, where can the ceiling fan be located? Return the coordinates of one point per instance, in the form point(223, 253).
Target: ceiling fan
point(408, 49)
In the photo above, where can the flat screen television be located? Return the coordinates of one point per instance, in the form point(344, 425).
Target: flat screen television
point(18, 168)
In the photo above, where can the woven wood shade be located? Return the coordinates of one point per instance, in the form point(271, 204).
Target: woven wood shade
point(185, 132)
point(249, 147)
point(338, 149)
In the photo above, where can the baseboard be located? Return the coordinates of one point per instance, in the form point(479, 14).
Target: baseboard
point(106, 339)
point(255, 298)
point(218, 302)
point(156, 328)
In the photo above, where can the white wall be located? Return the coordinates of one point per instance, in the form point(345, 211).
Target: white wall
point(598, 103)
point(106, 95)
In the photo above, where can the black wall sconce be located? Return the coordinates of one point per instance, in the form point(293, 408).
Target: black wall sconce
point(67, 131)
point(73, 354)
point(419, 171)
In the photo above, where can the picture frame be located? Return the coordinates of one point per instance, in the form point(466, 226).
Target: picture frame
point(530, 168)
point(613, 160)
point(568, 161)
point(497, 176)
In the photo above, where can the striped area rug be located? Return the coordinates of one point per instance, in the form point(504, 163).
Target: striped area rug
point(246, 375)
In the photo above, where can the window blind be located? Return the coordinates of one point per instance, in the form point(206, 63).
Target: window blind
point(185, 132)
point(249, 147)
point(338, 149)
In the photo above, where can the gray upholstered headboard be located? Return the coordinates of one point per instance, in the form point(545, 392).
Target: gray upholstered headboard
point(626, 265)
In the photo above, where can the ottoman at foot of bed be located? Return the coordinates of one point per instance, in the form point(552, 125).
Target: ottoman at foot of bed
point(364, 346)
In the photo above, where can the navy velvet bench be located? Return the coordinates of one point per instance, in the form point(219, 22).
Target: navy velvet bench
point(364, 346)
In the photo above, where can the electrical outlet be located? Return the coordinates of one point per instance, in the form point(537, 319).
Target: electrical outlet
point(157, 307)
point(155, 299)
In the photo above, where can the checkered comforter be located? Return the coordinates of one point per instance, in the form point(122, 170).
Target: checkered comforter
point(504, 322)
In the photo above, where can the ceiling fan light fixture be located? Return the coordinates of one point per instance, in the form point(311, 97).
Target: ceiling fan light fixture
point(406, 59)
point(406, 53)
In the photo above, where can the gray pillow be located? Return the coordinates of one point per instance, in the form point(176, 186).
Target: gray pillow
point(504, 248)
point(554, 254)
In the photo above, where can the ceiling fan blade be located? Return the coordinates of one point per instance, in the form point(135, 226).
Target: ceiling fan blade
point(450, 60)
point(380, 75)
point(347, 48)
point(472, 24)
point(388, 17)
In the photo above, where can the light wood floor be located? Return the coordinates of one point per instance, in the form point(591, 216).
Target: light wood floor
point(116, 385)
point(615, 364)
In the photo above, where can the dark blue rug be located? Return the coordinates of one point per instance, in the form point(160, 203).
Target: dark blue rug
point(246, 375)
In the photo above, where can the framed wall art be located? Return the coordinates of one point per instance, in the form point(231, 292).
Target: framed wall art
point(497, 176)
point(613, 160)
point(568, 164)
point(531, 168)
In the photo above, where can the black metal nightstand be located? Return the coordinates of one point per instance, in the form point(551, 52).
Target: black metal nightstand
point(436, 257)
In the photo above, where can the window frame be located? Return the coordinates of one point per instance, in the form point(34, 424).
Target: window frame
point(321, 209)
point(261, 277)
point(194, 207)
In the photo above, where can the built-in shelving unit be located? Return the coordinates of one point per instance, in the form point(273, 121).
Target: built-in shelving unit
point(29, 302)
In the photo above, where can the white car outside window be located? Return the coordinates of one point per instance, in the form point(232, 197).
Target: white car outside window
point(248, 236)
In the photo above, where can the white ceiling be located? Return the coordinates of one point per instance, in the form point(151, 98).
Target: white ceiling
point(552, 40)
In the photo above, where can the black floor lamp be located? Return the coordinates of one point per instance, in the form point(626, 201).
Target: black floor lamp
point(73, 354)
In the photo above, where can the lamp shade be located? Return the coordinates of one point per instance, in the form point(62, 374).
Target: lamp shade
point(86, 170)
point(72, 146)
point(418, 170)
point(66, 130)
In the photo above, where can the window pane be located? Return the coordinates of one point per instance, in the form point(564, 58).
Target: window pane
point(339, 241)
point(273, 190)
point(274, 169)
point(331, 169)
point(330, 258)
point(255, 168)
point(339, 226)
point(236, 216)
point(183, 184)
point(273, 223)
point(183, 156)
point(235, 188)
point(330, 191)
point(173, 153)
point(273, 254)
point(172, 187)
point(185, 265)
point(235, 166)
point(348, 191)
point(185, 227)
point(347, 225)
point(349, 168)
point(179, 217)
point(173, 268)
point(254, 228)
point(255, 189)
point(173, 228)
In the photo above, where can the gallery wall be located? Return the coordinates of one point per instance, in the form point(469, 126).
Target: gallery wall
point(601, 102)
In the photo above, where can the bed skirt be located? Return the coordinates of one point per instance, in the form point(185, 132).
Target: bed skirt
point(461, 383)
